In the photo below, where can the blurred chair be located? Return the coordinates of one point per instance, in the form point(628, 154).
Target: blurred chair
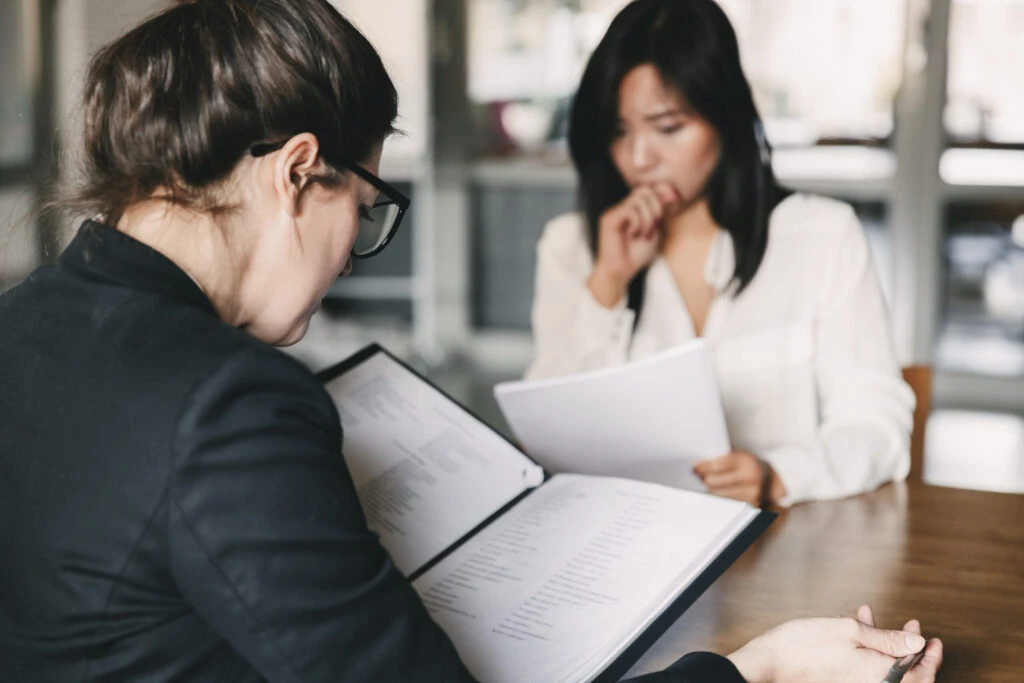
point(919, 377)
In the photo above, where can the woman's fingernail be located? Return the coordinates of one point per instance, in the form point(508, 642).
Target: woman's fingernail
point(915, 642)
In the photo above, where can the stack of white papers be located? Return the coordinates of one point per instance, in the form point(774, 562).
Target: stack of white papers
point(651, 419)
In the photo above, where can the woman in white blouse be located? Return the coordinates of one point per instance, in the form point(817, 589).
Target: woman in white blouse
point(686, 234)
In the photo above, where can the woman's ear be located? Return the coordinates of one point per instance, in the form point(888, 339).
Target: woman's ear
point(294, 166)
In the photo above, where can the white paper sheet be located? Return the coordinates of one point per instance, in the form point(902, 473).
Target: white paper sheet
point(564, 581)
point(651, 419)
point(426, 472)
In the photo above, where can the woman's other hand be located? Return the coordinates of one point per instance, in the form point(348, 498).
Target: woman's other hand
point(925, 670)
point(629, 235)
point(832, 651)
point(740, 475)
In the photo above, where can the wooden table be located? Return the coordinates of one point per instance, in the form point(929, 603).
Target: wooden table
point(952, 558)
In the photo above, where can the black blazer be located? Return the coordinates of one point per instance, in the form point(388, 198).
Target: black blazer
point(173, 502)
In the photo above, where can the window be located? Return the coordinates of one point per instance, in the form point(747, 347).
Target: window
point(21, 64)
point(985, 104)
point(982, 329)
point(821, 70)
point(18, 74)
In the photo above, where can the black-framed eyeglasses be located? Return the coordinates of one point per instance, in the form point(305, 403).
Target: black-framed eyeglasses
point(378, 223)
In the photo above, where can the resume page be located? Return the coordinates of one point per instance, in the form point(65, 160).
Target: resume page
point(565, 578)
point(651, 419)
point(426, 471)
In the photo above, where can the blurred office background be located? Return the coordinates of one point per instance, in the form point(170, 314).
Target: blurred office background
point(912, 110)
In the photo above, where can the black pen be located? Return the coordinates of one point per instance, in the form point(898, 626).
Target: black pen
point(902, 666)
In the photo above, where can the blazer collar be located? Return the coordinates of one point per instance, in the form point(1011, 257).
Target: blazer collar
point(106, 253)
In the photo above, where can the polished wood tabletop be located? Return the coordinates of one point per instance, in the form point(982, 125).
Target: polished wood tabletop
point(952, 558)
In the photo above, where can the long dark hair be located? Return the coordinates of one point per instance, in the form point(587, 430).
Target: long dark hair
point(694, 48)
point(176, 102)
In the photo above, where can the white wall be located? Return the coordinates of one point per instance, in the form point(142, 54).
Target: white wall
point(397, 28)
point(18, 249)
point(82, 28)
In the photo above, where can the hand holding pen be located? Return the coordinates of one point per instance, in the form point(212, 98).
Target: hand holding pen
point(837, 650)
point(919, 667)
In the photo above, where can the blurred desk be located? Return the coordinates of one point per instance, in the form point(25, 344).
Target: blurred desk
point(952, 558)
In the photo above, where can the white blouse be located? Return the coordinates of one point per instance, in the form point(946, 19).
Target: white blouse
point(803, 356)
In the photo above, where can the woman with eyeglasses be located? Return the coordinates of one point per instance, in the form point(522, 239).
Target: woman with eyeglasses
point(173, 501)
point(684, 233)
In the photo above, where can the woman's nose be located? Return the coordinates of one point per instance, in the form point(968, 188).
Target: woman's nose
point(644, 155)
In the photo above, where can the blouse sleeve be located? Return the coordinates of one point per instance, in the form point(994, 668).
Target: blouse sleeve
point(572, 332)
point(865, 407)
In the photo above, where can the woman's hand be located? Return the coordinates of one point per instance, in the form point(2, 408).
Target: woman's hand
point(740, 475)
point(928, 667)
point(628, 238)
point(833, 651)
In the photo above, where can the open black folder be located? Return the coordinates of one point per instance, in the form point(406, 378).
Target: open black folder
point(535, 577)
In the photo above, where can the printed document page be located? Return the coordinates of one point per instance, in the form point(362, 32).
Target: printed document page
point(425, 470)
point(560, 584)
point(651, 419)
